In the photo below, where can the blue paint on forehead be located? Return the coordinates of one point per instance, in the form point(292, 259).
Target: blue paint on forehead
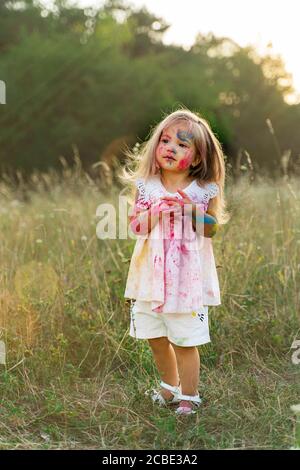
point(185, 136)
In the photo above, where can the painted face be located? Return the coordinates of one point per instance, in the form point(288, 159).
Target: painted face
point(176, 149)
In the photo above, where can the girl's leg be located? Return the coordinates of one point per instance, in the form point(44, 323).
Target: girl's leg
point(188, 361)
point(165, 360)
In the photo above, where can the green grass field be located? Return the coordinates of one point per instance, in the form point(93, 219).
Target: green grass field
point(75, 379)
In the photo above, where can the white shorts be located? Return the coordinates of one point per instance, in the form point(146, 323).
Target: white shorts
point(182, 329)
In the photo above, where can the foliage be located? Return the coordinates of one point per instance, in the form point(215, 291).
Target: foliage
point(93, 77)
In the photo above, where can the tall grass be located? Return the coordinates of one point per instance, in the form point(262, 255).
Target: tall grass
point(73, 376)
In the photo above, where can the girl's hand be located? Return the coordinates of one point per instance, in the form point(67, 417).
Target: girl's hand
point(185, 201)
point(185, 198)
point(170, 204)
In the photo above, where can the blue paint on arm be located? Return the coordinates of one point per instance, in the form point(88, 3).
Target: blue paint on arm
point(207, 219)
point(210, 223)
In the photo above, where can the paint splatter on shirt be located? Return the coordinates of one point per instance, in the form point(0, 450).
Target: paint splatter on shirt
point(173, 267)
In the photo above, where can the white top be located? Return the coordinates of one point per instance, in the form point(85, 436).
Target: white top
point(174, 275)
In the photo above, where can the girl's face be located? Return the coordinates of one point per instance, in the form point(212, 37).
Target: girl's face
point(176, 149)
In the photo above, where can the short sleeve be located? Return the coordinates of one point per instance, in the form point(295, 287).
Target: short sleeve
point(212, 189)
point(209, 191)
point(142, 201)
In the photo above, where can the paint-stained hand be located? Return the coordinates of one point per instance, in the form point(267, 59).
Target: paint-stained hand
point(169, 204)
point(185, 203)
point(210, 225)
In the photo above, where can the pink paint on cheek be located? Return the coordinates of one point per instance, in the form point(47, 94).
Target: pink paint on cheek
point(159, 149)
point(158, 154)
point(186, 161)
point(183, 164)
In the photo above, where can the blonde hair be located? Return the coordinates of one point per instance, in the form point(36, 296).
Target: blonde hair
point(209, 160)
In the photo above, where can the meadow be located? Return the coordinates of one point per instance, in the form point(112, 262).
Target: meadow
point(72, 378)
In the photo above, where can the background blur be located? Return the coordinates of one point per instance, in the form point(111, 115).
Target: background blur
point(81, 84)
point(88, 81)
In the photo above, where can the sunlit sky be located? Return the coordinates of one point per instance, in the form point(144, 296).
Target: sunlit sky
point(255, 22)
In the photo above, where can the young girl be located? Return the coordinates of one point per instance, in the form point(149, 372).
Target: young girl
point(178, 177)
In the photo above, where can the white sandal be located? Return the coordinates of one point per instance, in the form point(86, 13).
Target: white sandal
point(157, 397)
point(185, 410)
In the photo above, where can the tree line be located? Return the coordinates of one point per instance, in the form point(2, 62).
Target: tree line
point(93, 80)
